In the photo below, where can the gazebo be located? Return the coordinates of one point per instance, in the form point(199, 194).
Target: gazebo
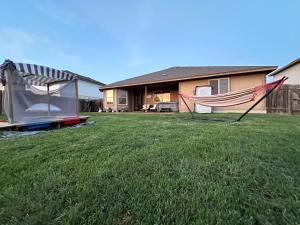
point(38, 94)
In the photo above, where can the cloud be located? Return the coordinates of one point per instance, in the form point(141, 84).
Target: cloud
point(28, 47)
point(16, 43)
point(62, 58)
point(136, 56)
point(55, 11)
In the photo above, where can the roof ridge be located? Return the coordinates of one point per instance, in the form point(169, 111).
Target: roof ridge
point(86, 78)
point(185, 73)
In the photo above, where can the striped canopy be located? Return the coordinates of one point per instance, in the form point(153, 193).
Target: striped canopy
point(42, 75)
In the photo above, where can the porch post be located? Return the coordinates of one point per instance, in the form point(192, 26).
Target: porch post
point(132, 101)
point(146, 98)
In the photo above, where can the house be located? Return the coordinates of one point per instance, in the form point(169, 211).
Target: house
point(291, 70)
point(287, 99)
point(88, 93)
point(164, 85)
point(88, 88)
point(91, 98)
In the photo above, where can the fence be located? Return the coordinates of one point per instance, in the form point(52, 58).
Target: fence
point(87, 105)
point(284, 100)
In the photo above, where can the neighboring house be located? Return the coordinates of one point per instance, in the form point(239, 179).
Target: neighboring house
point(89, 94)
point(88, 88)
point(287, 99)
point(291, 70)
point(164, 86)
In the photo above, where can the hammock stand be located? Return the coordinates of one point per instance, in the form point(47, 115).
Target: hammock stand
point(274, 86)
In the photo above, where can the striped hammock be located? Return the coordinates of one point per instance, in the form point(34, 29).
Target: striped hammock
point(232, 98)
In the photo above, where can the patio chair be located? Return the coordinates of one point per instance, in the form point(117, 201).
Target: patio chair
point(145, 107)
point(153, 108)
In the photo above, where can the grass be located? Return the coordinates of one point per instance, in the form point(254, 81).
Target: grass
point(155, 169)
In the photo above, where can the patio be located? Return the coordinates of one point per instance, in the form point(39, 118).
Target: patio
point(148, 98)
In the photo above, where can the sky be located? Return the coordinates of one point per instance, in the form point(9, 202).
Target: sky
point(114, 40)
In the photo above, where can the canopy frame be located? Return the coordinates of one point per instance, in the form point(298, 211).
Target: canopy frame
point(34, 75)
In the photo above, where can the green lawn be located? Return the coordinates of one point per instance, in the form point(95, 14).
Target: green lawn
point(155, 169)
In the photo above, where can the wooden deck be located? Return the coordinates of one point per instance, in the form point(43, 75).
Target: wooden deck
point(56, 123)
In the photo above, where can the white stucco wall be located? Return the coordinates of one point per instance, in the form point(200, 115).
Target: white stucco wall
point(87, 90)
point(293, 73)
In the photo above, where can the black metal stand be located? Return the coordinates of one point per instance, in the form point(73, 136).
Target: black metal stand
point(266, 95)
point(187, 106)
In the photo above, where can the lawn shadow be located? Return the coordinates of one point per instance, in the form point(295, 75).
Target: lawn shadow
point(210, 118)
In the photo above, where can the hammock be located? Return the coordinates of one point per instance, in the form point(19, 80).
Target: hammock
point(233, 98)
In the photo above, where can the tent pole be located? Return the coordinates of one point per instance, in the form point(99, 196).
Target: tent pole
point(48, 99)
point(77, 98)
point(8, 72)
point(187, 106)
point(263, 97)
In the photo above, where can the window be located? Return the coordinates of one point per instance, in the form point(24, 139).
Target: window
point(162, 97)
point(219, 86)
point(223, 86)
point(214, 87)
point(122, 97)
point(110, 96)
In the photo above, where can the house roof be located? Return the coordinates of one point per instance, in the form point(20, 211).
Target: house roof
point(187, 73)
point(285, 67)
point(87, 79)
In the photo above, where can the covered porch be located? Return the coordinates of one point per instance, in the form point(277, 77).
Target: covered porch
point(161, 97)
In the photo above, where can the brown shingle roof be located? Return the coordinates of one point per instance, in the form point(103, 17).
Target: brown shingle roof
point(187, 73)
point(85, 78)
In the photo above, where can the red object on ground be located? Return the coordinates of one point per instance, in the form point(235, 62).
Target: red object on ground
point(72, 120)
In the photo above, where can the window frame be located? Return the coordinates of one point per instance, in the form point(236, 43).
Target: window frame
point(118, 98)
point(106, 97)
point(219, 79)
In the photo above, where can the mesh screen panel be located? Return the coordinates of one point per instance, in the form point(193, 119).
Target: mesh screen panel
point(30, 104)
